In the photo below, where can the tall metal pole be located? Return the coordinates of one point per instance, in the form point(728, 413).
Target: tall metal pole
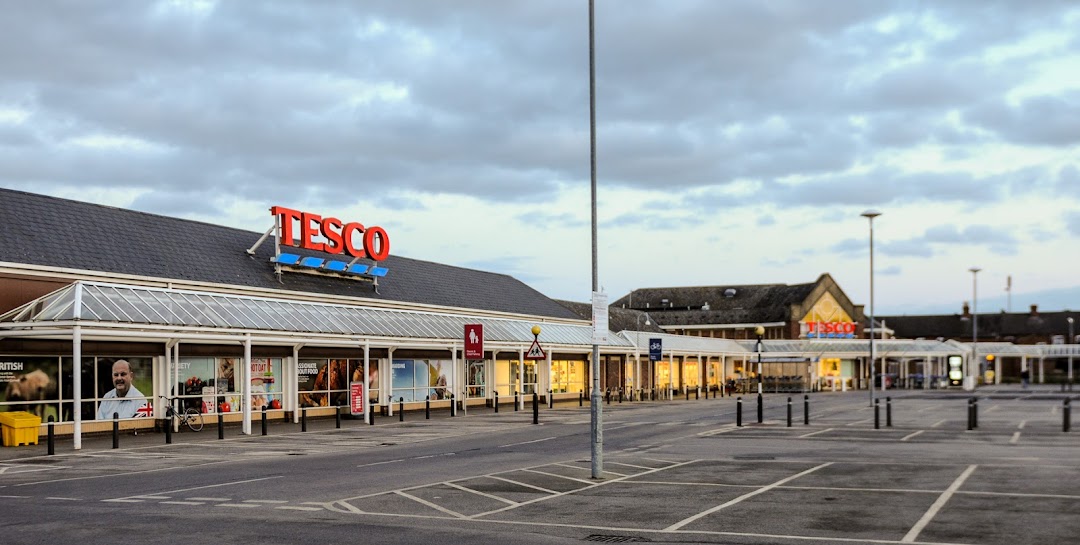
point(1072, 341)
point(595, 401)
point(972, 369)
point(870, 215)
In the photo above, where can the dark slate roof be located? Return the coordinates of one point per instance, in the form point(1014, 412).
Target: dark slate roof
point(619, 319)
point(760, 303)
point(1019, 327)
point(48, 231)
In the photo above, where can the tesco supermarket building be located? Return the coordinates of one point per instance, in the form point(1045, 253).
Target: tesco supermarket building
point(228, 320)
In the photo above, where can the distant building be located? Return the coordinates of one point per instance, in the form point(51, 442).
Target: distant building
point(818, 309)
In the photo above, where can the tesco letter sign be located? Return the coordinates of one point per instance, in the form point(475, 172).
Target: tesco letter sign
point(350, 238)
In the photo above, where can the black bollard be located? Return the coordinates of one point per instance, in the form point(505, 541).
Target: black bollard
point(453, 406)
point(551, 400)
point(115, 430)
point(337, 417)
point(264, 420)
point(220, 425)
point(738, 411)
point(515, 400)
point(581, 398)
point(536, 408)
point(888, 412)
point(975, 413)
point(620, 395)
point(971, 423)
point(401, 409)
point(1066, 416)
point(168, 431)
point(697, 394)
point(52, 437)
point(303, 419)
point(760, 409)
point(806, 410)
point(789, 412)
point(427, 408)
point(371, 412)
point(877, 414)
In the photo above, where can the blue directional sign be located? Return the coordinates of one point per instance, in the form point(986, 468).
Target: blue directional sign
point(656, 349)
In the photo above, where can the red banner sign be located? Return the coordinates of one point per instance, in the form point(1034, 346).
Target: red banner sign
point(474, 341)
point(356, 397)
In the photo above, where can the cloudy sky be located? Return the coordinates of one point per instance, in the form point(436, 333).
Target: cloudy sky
point(738, 142)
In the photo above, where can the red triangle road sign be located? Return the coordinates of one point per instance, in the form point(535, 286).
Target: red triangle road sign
point(535, 352)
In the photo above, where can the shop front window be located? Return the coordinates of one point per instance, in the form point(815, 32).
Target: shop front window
point(663, 375)
point(567, 376)
point(31, 385)
point(419, 380)
point(477, 379)
point(690, 374)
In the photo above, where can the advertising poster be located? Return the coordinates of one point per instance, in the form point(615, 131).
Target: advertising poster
point(307, 377)
point(356, 398)
point(31, 385)
point(123, 386)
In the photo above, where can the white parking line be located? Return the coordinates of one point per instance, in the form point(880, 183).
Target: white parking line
point(183, 503)
point(210, 499)
point(429, 504)
point(381, 463)
point(265, 501)
point(523, 484)
point(938, 423)
point(813, 433)
point(1015, 438)
point(527, 442)
point(764, 489)
point(1021, 425)
point(938, 504)
point(242, 505)
point(557, 475)
point(912, 434)
point(298, 508)
point(479, 493)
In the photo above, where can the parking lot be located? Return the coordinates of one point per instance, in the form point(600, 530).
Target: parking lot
point(678, 471)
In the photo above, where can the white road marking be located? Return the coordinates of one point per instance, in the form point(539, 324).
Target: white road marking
point(912, 434)
point(813, 433)
point(587, 469)
point(527, 442)
point(265, 501)
point(938, 423)
point(429, 504)
point(381, 463)
point(630, 465)
point(298, 508)
point(1015, 438)
point(557, 475)
point(63, 499)
point(1021, 425)
point(708, 512)
point(183, 503)
point(858, 422)
point(479, 493)
point(938, 504)
point(526, 485)
point(210, 499)
point(242, 505)
point(125, 500)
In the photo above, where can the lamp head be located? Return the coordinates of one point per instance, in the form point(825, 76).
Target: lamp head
point(1069, 319)
point(759, 330)
point(870, 214)
point(536, 330)
point(975, 270)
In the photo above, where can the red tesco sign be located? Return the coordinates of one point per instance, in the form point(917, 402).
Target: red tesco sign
point(831, 327)
point(474, 341)
point(340, 237)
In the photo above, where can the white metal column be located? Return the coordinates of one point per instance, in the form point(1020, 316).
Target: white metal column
point(247, 385)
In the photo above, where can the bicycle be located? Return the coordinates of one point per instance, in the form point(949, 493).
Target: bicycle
point(190, 417)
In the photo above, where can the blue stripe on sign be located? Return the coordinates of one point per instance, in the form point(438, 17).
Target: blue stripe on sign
point(337, 266)
point(378, 271)
point(313, 262)
point(358, 268)
point(286, 259)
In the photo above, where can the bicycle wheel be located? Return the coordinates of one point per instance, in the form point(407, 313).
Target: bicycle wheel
point(193, 419)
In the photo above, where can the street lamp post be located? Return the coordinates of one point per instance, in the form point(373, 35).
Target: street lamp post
point(870, 215)
point(1072, 341)
point(760, 330)
point(972, 373)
